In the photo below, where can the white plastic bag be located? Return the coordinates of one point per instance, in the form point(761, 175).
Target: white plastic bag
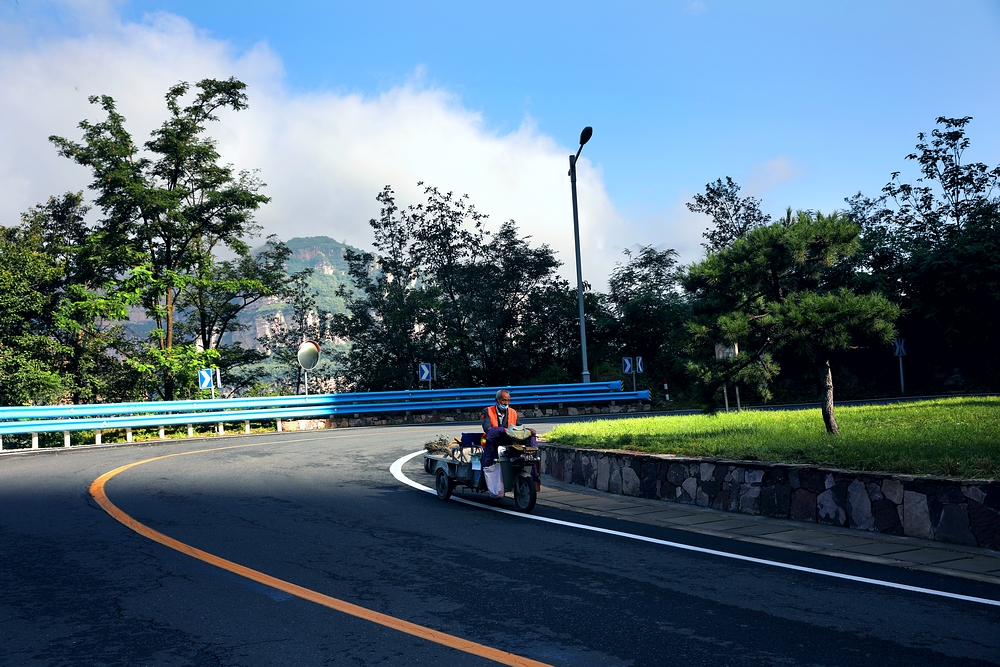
point(494, 480)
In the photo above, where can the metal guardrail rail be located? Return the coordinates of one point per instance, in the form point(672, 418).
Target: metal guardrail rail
point(101, 417)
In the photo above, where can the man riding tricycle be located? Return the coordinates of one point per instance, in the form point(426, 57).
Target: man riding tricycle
point(502, 458)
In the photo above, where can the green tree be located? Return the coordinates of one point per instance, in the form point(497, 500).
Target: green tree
point(732, 217)
point(26, 353)
point(388, 309)
point(934, 246)
point(443, 290)
point(779, 288)
point(166, 210)
point(648, 310)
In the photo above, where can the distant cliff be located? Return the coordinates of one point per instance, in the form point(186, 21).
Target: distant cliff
point(325, 257)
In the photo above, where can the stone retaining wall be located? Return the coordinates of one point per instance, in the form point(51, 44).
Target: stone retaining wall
point(959, 511)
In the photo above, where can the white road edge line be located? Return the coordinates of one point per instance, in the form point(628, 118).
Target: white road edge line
point(397, 471)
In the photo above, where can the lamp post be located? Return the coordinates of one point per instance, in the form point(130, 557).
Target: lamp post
point(585, 136)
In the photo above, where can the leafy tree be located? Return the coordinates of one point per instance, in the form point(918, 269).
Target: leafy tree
point(220, 292)
point(779, 287)
point(69, 315)
point(934, 246)
point(166, 211)
point(26, 353)
point(647, 309)
point(441, 289)
point(732, 217)
point(388, 311)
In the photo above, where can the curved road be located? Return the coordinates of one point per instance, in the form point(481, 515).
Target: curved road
point(321, 511)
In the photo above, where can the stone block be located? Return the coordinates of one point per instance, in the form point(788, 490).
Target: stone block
point(694, 469)
point(828, 510)
point(793, 478)
point(648, 483)
point(829, 482)
point(753, 476)
point(993, 496)
point(859, 506)
point(603, 472)
point(738, 473)
point(886, 517)
point(812, 480)
point(974, 493)
point(953, 526)
point(572, 411)
point(710, 486)
point(690, 487)
point(775, 477)
point(985, 524)
point(615, 482)
point(916, 516)
point(577, 470)
point(803, 505)
point(676, 474)
point(950, 493)
point(567, 467)
point(776, 500)
point(668, 491)
point(590, 471)
point(874, 491)
point(721, 500)
point(893, 490)
point(631, 485)
point(703, 499)
point(750, 500)
point(706, 471)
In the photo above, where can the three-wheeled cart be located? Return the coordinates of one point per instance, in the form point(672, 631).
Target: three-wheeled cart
point(461, 467)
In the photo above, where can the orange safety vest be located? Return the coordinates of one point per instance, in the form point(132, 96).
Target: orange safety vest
point(491, 412)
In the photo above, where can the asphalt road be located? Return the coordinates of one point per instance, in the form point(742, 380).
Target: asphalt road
point(322, 511)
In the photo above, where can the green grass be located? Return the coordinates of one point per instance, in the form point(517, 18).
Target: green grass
point(954, 437)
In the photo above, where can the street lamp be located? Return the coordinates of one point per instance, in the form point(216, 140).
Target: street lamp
point(585, 136)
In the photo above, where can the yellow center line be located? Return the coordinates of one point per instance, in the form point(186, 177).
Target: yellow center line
point(451, 641)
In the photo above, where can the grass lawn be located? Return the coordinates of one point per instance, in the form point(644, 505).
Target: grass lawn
point(953, 437)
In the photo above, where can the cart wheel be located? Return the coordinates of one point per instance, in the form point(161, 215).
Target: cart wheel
point(443, 485)
point(428, 464)
point(525, 494)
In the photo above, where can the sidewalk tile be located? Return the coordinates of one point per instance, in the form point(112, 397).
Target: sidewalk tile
point(929, 556)
point(837, 541)
point(977, 564)
point(761, 529)
point(881, 549)
point(647, 509)
point(724, 524)
point(694, 519)
point(603, 503)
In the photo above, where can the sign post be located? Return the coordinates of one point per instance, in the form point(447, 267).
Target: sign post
point(724, 352)
point(899, 349)
point(205, 380)
point(308, 356)
point(425, 373)
point(628, 369)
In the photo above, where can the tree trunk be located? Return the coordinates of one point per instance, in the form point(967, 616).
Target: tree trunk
point(826, 377)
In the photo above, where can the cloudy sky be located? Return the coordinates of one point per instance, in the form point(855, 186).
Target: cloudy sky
point(803, 103)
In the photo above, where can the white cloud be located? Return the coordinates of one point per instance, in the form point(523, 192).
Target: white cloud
point(323, 155)
point(772, 173)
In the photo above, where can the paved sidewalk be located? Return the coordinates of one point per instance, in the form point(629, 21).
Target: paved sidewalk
point(909, 552)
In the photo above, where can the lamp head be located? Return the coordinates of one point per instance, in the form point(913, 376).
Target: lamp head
point(585, 136)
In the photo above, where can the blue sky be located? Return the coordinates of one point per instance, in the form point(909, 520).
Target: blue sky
point(803, 103)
